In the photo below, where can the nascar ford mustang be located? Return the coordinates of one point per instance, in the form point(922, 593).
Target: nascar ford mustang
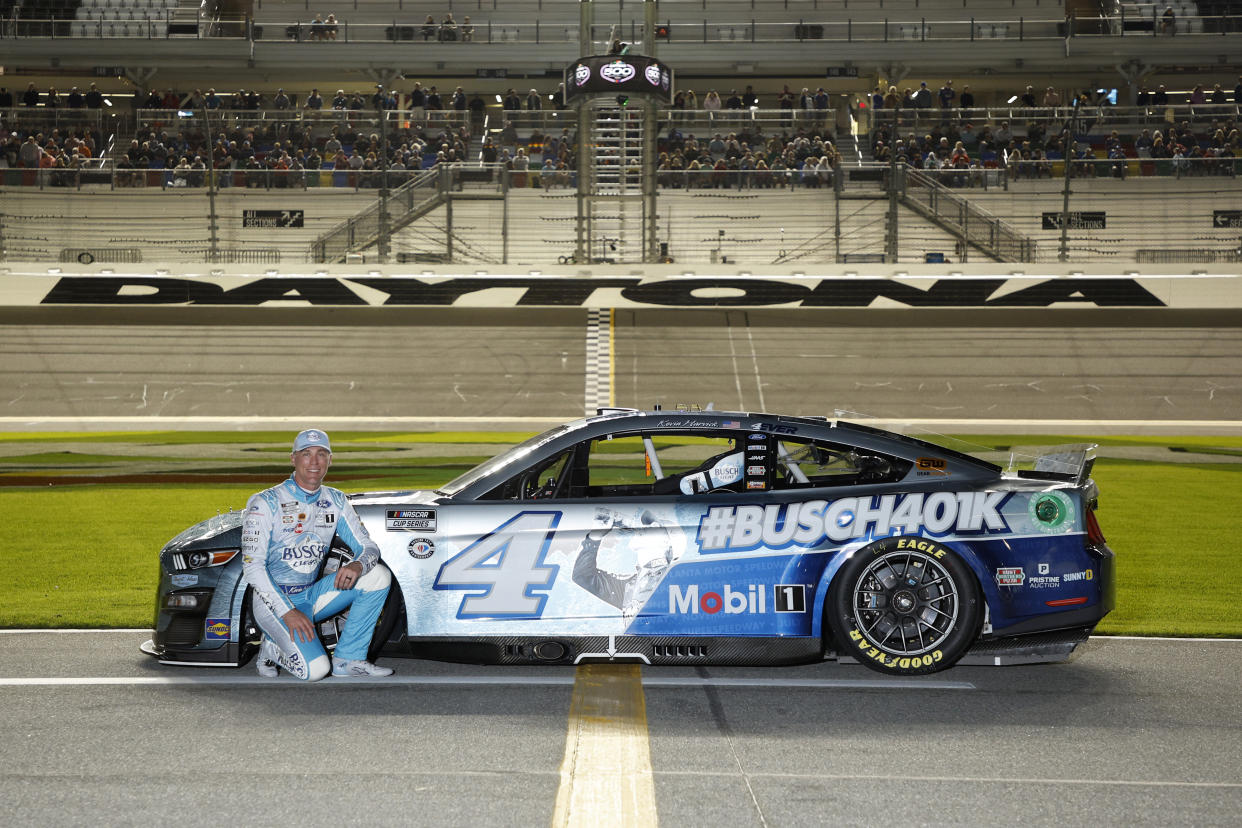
point(704, 538)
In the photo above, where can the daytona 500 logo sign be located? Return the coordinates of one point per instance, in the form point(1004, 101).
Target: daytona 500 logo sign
point(779, 525)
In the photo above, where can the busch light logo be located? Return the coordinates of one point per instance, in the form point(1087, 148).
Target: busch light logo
point(809, 524)
point(617, 72)
point(303, 555)
point(652, 74)
point(582, 74)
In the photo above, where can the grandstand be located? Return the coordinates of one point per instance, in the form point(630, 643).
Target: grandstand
point(829, 176)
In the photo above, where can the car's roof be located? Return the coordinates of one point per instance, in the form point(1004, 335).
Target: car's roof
point(610, 421)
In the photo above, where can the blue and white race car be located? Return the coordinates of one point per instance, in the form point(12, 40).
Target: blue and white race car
point(705, 537)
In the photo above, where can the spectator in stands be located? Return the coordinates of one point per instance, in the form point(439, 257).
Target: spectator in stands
point(281, 100)
point(31, 96)
point(892, 98)
point(785, 102)
point(734, 101)
point(1118, 156)
point(314, 100)
point(749, 99)
point(1168, 22)
point(330, 27)
point(467, 30)
point(74, 99)
point(1051, 97)
point(317, 28)
point(821, 104)
point(1027, 98)
point(433, 104)
point(448, 28)
point(712, 103)
point(418, 103)
point(512, 102)
point(30, 153)
point(6, 98)
point(947, 95)
point(1218, 95)
point(1160, 97)
point(923, 97)
point(429, 28)
point(533, 102)
point(967, 98)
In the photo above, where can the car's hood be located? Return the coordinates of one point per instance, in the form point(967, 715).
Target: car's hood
point(386, 498)
point(215, 532)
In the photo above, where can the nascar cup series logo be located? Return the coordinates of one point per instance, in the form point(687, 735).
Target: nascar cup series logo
point(617, 72)
point(778, 525)
point(582, 74)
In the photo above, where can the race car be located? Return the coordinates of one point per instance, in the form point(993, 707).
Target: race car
point(703, 538)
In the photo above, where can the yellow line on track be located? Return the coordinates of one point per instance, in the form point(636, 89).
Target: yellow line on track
point(606, 774)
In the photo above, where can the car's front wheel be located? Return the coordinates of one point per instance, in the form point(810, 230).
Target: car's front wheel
point(904, 606)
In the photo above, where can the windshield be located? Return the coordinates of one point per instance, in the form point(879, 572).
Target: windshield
point(504, 459)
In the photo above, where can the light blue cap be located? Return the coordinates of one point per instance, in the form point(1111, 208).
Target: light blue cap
point(311, 437)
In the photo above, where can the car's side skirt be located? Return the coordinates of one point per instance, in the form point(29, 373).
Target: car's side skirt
point(619, 648)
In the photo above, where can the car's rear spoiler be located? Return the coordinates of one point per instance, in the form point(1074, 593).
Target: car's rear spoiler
point(1071, 464)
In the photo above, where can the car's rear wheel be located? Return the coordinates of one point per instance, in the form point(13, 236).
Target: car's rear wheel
point(904, 606)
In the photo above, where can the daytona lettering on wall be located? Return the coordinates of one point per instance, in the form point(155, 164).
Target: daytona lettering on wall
point(577, 292)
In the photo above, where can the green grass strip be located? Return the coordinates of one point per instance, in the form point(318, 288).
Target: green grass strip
point(86, 555)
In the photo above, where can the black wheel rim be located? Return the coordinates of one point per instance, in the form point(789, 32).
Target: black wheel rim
point(906, 603)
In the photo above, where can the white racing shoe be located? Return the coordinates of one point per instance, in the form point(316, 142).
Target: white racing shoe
point(266, 661)
point(358, 669)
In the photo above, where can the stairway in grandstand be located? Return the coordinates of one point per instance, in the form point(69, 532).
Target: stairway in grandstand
point(614, 181)
point(983, 231)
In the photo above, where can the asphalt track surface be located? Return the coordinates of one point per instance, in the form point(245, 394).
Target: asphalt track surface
point(1130, 732)
point(503, 367)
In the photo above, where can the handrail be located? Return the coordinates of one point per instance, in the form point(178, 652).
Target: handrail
point(905, 26)
point(971, 223)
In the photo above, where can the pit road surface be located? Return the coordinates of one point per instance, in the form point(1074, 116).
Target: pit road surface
point(1131, 732)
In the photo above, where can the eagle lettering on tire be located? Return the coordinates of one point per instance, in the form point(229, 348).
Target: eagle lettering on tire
point(904, 606)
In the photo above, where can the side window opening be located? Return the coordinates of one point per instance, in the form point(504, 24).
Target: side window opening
point(634, 465)
point(548, 479)
point(801, 463)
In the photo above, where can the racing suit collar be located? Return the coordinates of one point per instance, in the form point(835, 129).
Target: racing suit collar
point(300, 493)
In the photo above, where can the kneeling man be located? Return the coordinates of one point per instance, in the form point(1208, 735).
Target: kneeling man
point(286, 531)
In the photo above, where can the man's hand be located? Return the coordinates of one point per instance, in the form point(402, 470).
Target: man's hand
point(348, 575)
point(300, 627)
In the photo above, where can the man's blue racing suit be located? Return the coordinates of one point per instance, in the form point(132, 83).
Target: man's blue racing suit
point(286, 531)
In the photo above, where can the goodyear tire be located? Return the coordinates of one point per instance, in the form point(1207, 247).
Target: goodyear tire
point(904, 606)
